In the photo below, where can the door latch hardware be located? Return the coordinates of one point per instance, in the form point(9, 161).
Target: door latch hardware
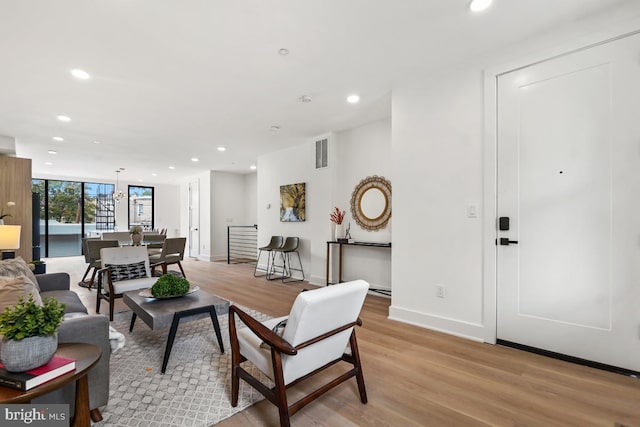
point(504, 241)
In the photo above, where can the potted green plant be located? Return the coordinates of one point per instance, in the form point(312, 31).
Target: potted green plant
point(136, 234)
point(169, 285)
point(30, 333)
point(38, 267)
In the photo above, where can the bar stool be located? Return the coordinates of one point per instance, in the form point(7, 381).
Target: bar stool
point(274, 243)
point(290, 246)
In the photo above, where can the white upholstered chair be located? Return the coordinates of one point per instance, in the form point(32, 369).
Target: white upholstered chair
point(123, 269)
point(319, 328)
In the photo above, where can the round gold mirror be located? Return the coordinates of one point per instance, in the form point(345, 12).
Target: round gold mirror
point(371, 203)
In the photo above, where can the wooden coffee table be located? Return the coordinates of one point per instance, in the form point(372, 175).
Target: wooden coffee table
point(86, 356)
point(162, 313)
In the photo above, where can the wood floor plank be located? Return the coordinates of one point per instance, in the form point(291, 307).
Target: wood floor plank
point(419, 377)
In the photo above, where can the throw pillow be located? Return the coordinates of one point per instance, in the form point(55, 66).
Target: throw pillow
point(127, 271)
point(11, 289)
point(16, 267)
point(278, 329)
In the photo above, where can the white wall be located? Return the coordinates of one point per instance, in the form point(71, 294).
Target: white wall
point(353, 155)
point(438, 151)
point(291, 166)
point(227, 208)
point(225, 199)
point(250, 199)
point(362, 152)
point(437, 166)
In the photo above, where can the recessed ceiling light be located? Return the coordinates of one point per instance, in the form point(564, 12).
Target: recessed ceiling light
point(353, 99)
point(274, 128)
point(52, 152)
point(80, 74)
point(253, 167)
point(222, 148)
point(154, 174)
point(283, 51)
point(305, 98)
point(64, 118)
point(172, 167)
point(58, 138)
point(479, 5)
point(195, 159)
point(48, 163)
point(97, 142)
point(139, 179)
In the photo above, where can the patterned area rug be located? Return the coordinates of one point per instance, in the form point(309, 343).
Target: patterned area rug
point(195, 390)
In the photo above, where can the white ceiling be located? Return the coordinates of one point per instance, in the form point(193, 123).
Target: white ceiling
point(174, 79)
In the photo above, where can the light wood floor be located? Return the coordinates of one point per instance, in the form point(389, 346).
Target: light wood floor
point(417, 377)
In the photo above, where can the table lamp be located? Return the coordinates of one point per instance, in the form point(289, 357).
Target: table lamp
point(9, 240)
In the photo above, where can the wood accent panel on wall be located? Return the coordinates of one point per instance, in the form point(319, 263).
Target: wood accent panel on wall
point(15, 186)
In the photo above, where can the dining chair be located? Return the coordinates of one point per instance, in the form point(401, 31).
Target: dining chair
point(93, 248)
point(172, 253)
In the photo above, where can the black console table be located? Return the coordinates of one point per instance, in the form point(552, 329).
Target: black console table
point(340, 245)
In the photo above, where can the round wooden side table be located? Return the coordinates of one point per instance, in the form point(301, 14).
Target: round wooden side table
point(86, 356)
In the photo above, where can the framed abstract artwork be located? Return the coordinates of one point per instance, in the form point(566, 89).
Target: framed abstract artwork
point(292, 202)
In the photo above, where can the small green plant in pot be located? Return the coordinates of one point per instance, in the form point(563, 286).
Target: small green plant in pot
point(169, 285)
point(29, 332)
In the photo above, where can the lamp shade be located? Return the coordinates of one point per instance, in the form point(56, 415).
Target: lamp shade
point(10, 237)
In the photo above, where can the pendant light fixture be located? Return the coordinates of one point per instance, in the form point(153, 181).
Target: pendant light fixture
point(118, 194)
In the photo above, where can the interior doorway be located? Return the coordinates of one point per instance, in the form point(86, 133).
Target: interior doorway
point(194, 219)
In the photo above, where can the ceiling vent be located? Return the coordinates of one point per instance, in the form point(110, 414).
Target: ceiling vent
point(322, 150)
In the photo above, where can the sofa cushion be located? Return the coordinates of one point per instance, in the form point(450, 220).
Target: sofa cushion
point(11, 289)
point(15, 267)
point(69, 298)
point(127, 271)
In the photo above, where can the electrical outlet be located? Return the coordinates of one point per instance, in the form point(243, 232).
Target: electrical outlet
point(440, 291)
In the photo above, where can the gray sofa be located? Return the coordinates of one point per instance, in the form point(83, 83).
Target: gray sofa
point(92, 329)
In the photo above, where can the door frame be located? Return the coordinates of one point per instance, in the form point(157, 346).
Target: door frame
point(490, 161)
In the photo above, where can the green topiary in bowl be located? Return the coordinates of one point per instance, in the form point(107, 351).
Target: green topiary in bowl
point(27, 319)
point(169, 285)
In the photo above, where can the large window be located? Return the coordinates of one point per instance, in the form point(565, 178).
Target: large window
point(70, 211)
point(141, 207)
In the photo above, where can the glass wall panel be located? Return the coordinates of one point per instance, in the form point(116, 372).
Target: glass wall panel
point(64, 217)
point(141, 207)
point(37, 186)
point(99, 209)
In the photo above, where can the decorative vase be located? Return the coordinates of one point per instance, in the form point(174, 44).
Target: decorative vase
point(338, 232)
point(28, 353)
point(136, 238)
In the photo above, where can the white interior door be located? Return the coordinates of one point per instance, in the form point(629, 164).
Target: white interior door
point(569, 181)
point(194, 219)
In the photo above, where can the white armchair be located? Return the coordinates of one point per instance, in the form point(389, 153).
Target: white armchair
point(319, 327)
point(123, 269)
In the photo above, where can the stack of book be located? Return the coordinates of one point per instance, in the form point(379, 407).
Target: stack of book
point(56, 367)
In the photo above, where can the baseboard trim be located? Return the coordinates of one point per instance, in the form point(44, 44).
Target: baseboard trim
point(572, 359)
point(462, 329)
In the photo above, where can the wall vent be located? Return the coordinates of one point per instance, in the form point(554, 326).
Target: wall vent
point(322, 153)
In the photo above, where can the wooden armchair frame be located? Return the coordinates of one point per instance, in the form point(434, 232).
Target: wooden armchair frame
point(109, 293)
point(277, 395)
